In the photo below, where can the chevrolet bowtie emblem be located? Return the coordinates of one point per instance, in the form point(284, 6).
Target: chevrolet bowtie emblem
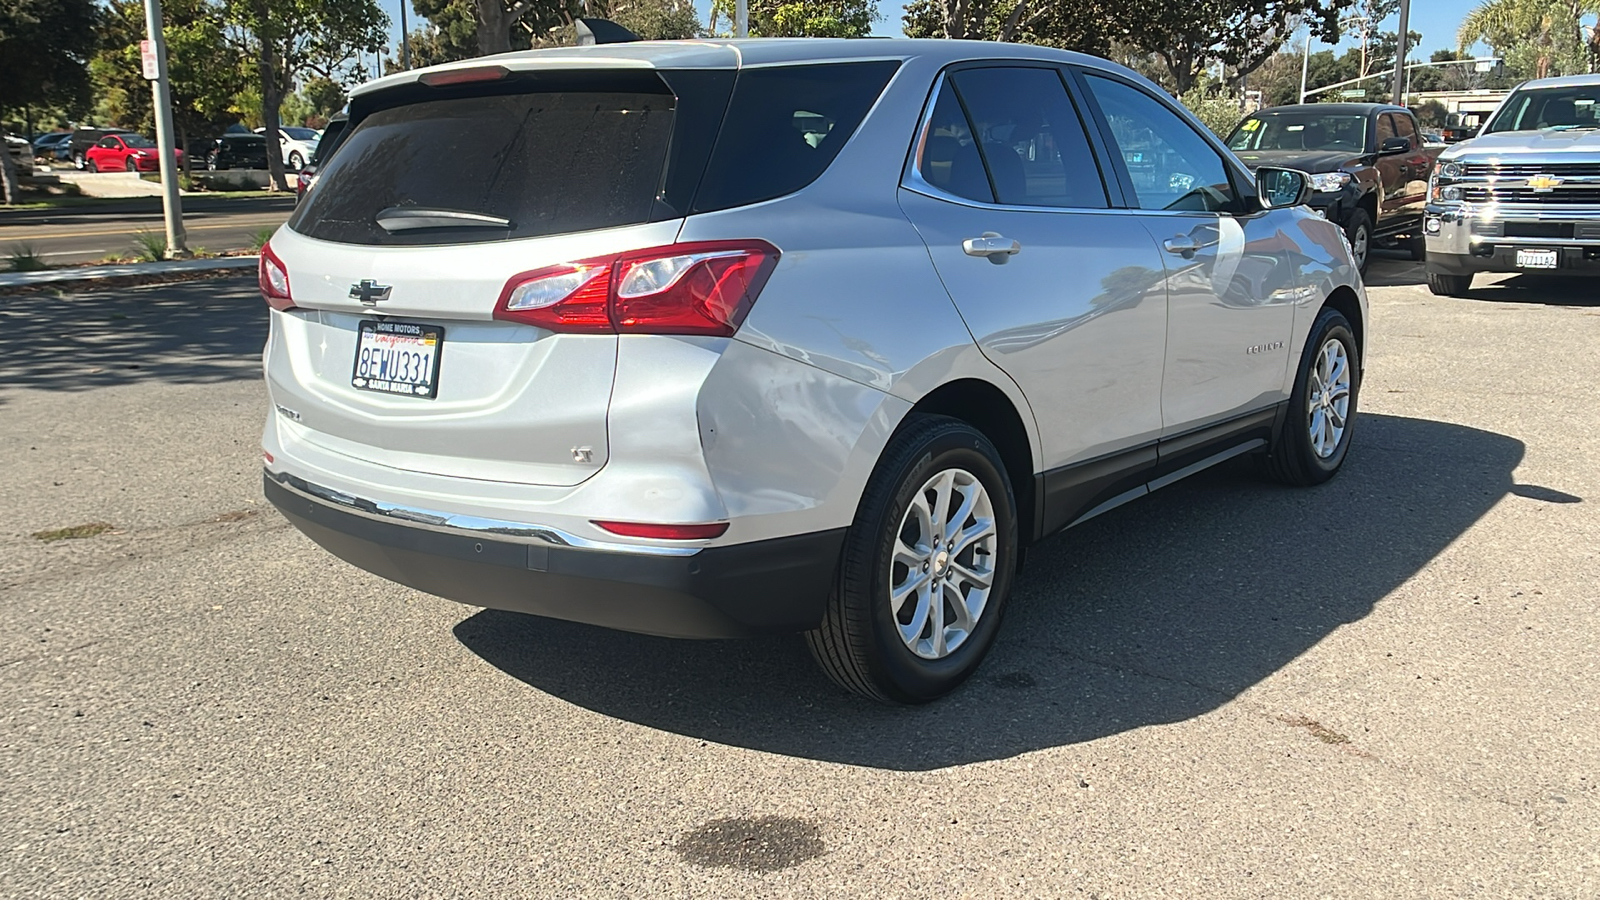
point(369, 291)
point(1543, 184)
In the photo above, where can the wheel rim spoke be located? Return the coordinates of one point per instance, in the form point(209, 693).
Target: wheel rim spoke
point(1328, 398)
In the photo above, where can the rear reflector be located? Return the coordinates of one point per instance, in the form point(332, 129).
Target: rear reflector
point(696, 288)
point(464, 76)
point(666, 532)
point(273, 276)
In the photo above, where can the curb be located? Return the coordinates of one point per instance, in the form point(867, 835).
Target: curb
point(124, 275)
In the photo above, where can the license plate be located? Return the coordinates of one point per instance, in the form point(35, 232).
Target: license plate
point(1538, 259)
point(398, 358)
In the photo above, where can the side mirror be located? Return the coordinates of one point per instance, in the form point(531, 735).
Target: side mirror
point(1281, 188)
point(1393, 145)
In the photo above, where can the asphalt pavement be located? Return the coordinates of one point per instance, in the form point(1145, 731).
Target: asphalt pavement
point(85, 234)
point(1382, 687)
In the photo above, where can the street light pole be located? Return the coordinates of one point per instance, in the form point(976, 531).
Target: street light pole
point(1400, 54)
point(405, 39)
point(1305, 65)
point(741, 19)
point(171, 204)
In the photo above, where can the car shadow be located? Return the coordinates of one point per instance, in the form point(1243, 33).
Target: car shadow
point(1157, 612)
point(194, 332)
point(1549, 290)
point(1393, 268)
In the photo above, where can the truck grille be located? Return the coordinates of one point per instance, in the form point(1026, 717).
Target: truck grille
point(1485, 194)
point(1526, 170)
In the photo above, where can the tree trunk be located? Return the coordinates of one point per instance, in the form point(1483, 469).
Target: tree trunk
point(955, 19)
point(271, 98)
point(8, 175)
point(494, 27)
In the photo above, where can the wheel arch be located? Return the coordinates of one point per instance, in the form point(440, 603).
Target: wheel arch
point(1344, 299)
point(989, 409)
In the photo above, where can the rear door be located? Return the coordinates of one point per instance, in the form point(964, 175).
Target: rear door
point(1060, 290)
point(1392, 175)
point(392, 353)
point(1230, 285)
point(1416, 165)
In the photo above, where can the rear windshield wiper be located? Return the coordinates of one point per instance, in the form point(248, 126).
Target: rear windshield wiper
point(411, 218)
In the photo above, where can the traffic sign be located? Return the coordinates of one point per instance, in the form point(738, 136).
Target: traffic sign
point(1353, 92)
point(147, 56)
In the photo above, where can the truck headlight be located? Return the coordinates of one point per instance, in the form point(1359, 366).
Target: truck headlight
point(1450, 171)
point(1330, 182)
point(1442, 187)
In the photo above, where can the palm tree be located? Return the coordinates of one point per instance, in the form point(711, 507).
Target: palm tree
point(1555, 28)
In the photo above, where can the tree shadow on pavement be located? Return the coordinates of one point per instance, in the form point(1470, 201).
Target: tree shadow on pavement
point(195, 332)
point(1157, 612)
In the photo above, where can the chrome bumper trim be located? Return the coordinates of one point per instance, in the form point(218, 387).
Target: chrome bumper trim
point(455, 523)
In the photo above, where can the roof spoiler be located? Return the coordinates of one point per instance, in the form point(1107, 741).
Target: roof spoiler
point(593, 31)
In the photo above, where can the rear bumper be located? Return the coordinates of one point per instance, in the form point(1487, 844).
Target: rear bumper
point(772, 586)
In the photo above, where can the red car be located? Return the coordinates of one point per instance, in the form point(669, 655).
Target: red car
point(125, 153)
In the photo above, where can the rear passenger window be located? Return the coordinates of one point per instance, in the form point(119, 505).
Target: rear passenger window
point(1031, 137)
point(783, 127)
point(948, 158)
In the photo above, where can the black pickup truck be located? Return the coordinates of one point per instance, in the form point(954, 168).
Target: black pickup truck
point(1368, 163)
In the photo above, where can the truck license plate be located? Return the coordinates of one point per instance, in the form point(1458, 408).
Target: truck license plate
point(398, 358)
point(1537, 259)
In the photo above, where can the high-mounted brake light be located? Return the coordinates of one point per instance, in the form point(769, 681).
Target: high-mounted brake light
point(665, 532)
point(706, 288)
point(464, 76)
point(273, 276)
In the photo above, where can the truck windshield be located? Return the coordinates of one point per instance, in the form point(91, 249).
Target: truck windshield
point(1561, 108)
point(1304, 130)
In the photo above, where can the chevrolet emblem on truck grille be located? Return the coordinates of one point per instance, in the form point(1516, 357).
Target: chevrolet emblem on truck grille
point(1543, 184)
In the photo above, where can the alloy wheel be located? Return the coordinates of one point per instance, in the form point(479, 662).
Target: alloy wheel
point(942, 570)
point(1328, 398)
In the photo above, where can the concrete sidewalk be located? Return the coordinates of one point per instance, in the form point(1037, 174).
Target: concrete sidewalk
point(96, 273)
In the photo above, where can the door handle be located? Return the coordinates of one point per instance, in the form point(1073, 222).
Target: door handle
point(998, 249)
point(1181, 244)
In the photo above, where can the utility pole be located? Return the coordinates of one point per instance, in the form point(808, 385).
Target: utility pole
point(405, 41)
point(1400, 54)
point(154, 57)
point(1305, 65)
point(741, 19)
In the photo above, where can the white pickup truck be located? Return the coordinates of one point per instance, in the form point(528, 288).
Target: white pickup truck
point(1524, 195)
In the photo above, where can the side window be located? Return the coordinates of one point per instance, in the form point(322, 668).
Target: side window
point(1168, 163)
point(1403, 128)
point(1385, 127)
point(1031, 137)
point(948, 158)
point(110, 143)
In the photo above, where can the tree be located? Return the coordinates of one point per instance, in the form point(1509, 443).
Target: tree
point(44, 60)
point(204, 72)
point(289, 39)
point(1552, 34)
point(466, 28)
point(802, 18)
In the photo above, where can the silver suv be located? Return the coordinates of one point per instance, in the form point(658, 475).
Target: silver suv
point(717, 338)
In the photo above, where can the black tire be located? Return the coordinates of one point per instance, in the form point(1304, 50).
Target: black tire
point(79, 162)
point(1360, 226)
point(296, 161)
point(89, 166)
point(1418, 245)
point(1449, 285)
point(859, 643)
point(131, 164)
point(1293, 459)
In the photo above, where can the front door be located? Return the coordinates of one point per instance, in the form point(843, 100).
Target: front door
point(1230, 283)
point(1062, 292)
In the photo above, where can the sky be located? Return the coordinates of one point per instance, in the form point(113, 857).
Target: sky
point(1436, 20)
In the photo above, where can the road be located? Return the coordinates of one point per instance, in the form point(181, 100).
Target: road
point(91, 233)
point(1383, 687)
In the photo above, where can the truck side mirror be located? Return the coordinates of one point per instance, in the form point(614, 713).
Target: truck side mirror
point(1393, 145)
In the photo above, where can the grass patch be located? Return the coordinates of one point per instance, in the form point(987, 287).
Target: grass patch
point(150, 246)
point(24, 258)
point(260, 238)
point(87, 530)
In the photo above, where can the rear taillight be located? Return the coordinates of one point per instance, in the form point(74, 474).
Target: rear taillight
point(273, 277)
point(696, 288)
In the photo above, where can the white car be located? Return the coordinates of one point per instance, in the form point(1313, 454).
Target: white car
point(21, 154)
point(297, 145)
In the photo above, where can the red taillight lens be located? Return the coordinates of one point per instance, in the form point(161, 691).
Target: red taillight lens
point(273, 277)
point(464, 76)
point(666, 532)
point(695, 288)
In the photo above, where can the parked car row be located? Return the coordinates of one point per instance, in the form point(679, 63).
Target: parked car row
point(233, 150)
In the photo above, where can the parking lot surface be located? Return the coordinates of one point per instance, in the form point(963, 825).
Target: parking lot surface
point(1383, 687)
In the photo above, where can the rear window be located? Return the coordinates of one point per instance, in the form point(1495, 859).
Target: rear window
point(554, 153)
point(785, 124)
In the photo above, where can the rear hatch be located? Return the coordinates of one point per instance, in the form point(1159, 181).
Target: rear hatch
point(439, 195)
